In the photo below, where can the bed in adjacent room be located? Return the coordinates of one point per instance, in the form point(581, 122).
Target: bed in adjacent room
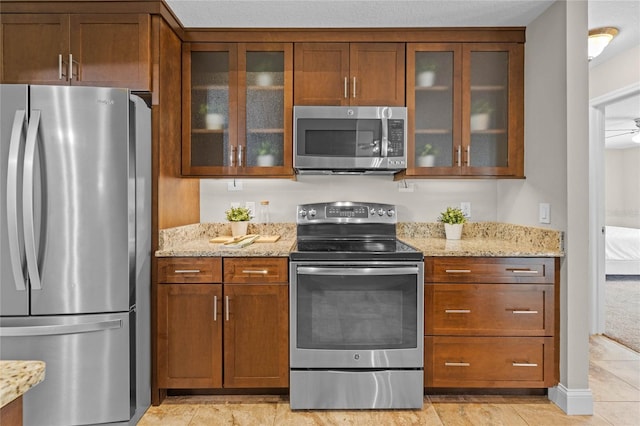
point(622, 251)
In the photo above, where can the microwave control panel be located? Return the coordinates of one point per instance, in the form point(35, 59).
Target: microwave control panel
point(396, 138)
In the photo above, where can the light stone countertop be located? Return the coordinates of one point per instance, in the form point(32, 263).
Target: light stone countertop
point(478, 239)
point(17, 377)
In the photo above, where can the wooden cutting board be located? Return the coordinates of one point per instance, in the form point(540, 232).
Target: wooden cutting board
point(261, 239)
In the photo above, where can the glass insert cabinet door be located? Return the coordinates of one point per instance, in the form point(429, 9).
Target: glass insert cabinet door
point(466, 109)
point(236, 108)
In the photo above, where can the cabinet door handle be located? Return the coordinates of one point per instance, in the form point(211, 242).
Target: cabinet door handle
point(346, 86)
point(240, 156)
point(469, 156)
point(60, 63)
point(457, 311)
point(226, 308)
point(458, 271)
point(255, 271)
point(524, 364)
point(522, 271)
point(457, 364)
point(232, 156)
point(187, 271)
point(524, 312)
point(354, 87)
point(459, 149)
point(215, 308)
point(71, 74)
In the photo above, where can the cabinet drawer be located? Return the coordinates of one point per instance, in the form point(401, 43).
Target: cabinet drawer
point(525, 362)
point(489, 270)
point(190, 270)
point(241, 270)
point(489, 309)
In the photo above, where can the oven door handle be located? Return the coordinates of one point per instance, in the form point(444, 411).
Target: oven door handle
point(312, 270)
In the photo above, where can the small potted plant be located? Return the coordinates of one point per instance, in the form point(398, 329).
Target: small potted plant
point(453, 219)
point(266, 157)
point(481, 110)
point(427, 157)
point(426, 73)
point(239, 218)
point(213, 116)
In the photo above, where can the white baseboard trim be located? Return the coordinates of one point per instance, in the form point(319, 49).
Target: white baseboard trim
point(574, 402)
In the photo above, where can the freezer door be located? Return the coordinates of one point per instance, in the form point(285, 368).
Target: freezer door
point(13, 272)
point(79, 193)
point(87, 376)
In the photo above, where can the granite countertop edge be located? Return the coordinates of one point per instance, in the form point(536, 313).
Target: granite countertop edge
point(17, 377)
point(479, 239)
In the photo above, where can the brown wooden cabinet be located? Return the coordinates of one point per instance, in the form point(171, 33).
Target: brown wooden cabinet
point(466, 109)
point(77, 49)
point(231, 335)
point(349, 74)
point(491, 322)
point(237, 109)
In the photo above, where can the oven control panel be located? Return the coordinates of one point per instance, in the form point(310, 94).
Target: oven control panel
point(346, 212)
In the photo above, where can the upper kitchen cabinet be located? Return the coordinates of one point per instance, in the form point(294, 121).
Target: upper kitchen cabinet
point(237, 109)
point(110, 50)
point(349, 74)
point(466, 109)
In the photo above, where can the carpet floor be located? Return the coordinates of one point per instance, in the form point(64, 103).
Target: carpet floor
point(622, 317)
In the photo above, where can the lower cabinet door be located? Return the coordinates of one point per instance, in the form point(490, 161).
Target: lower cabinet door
point(508, 362)
point(190, 335)
point(256, 335)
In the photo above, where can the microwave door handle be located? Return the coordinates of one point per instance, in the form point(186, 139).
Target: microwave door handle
point(384, 148)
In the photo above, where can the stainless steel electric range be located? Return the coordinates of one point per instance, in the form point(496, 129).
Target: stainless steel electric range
point(356, 314)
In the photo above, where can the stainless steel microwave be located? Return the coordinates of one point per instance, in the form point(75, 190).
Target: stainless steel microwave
point(349, 140)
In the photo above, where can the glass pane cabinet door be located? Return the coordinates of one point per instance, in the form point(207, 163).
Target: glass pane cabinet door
point(265, 109)
point(433, 99)
point(210, 143)
point(489, 110)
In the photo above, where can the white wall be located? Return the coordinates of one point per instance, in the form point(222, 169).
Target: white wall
point(622, 187)
point(424, 204)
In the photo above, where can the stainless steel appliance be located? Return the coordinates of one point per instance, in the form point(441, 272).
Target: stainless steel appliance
point(349, 140)
point(75, 239)
point(356, 314)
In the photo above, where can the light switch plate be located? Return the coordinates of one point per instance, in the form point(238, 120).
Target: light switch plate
point(251, 206)
point(465, 206)
point(544, 213)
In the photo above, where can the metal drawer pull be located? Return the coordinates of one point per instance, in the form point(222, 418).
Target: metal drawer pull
point(522, 271)
point(187, 271)
point(457, 364)
point(346, 95)
point(524, 364)
point(525, 312)
point(457, 271)
point(255, 271)
point(457, 311)
point(215, 308)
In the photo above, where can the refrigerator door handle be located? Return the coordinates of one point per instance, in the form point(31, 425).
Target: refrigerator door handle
point(27, 201)
point(52, 330)
point(15, 254)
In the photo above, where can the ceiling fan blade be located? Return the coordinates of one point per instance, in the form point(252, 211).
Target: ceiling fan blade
point(621, 134)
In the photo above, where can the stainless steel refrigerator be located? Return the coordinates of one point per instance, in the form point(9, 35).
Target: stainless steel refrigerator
point(75, 242)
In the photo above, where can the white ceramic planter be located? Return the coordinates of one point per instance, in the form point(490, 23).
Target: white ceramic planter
point(453, 232)
point(264, 79)
point(426, 79)
point(267, 160)
point(239, 228)
point(479, 121)
point(214, 121)
point(426, 160)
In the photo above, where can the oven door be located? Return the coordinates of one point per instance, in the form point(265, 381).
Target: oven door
point(363, 315)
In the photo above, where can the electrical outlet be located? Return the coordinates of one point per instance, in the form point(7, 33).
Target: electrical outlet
point(251, 206)
point(544, 213)
point(465, 206)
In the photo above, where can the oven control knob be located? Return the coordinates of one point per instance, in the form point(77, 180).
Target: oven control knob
point(372, 212)
point(302, 213)
point(380, 212)
point(312, 213)
point(390, 212)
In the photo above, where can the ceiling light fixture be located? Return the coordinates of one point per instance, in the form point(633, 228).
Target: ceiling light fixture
point(599, 38)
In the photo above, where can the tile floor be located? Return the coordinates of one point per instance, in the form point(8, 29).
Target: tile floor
point(614, 379)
